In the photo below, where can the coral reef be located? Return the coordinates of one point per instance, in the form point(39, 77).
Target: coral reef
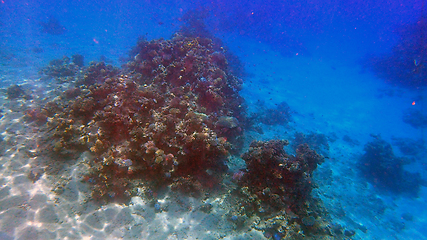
point(194, 26)
point(280, 115)
point(170, 117)
point(385, 171)
point(316, 141)
point(65, 69)
point(97, 72)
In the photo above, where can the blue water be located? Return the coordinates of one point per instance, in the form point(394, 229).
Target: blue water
point(310, 54)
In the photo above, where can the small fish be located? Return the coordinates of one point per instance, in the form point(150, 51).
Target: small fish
point(416, 62)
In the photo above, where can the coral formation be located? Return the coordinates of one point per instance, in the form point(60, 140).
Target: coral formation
point(385, 171)
point(170, 117)
point(194, 26)
point(279, 179)
point(97, 72)
point(65, 69)
point(15, 91)
point(316, 141)
point(275, 193)
point(280, 115)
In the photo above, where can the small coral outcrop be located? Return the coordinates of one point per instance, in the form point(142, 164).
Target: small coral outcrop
point(275, 190)
point(65, 69)
point(16, 91)
point(386, 171)
point(279, 179)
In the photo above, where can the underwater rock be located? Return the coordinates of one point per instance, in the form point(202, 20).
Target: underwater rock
point(63, 70)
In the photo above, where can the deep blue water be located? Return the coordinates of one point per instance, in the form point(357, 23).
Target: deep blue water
point(314, 55)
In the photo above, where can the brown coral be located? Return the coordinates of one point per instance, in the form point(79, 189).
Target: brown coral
point(156, 121)
point(279, 179)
